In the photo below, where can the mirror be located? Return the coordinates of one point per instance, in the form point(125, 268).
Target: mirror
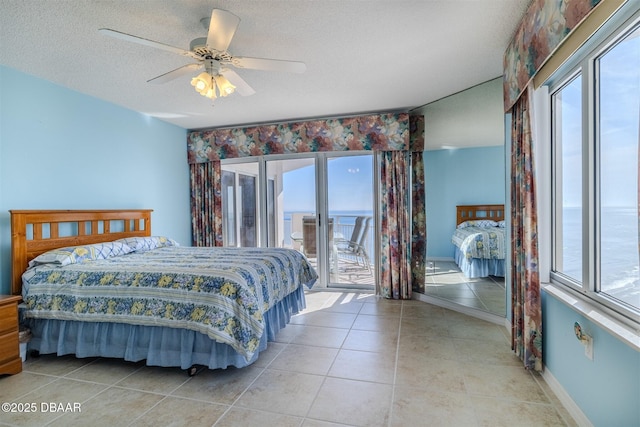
point(464, 165)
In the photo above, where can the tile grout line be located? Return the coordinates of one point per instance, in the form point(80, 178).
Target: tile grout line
point(233, 404)
point(395, 366)
point(326, 375)
point(165, 395)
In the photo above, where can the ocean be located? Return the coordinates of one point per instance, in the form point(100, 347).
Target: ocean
point(346, 220)
point(620, 250)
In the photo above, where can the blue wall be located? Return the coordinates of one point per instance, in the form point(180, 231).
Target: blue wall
point(467, 176)
point(60, 149)
point(607, 388)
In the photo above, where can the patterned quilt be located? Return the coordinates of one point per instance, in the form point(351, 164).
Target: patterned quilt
point(221, 292)
point(480, 242)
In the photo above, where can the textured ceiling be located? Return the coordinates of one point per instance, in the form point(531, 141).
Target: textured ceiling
point(361, 56)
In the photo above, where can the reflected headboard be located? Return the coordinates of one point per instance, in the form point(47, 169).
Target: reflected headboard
point(470, 212)
point(34, 232)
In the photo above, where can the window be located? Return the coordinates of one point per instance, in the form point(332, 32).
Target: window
point(595, 156)
point(566, 107)
point(229, 208)
point(618, 120)
point(240, 205)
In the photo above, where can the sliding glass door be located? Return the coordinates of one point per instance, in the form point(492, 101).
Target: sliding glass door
point(240, 205)
point(350, 205)
point(293, 203)
point(320, 205)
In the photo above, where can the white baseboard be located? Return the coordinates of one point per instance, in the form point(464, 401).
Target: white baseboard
point(574, 410)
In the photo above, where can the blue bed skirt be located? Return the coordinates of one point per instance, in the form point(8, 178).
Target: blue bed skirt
point(477, 267)
point(159, 346)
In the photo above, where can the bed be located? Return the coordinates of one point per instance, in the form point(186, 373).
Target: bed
point(97, 283)
point(479, 240)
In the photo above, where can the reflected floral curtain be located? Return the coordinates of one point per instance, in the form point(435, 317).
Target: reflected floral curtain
point(526, 310)
point(395, 247)
point(418, 222)
point(206, 204)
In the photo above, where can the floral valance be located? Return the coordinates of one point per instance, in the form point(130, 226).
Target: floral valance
point(544, 26)
point(379, 132)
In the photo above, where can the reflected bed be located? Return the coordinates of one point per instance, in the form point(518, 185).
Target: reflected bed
point(480, 240)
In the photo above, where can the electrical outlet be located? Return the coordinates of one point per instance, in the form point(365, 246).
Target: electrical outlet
point(588, 348)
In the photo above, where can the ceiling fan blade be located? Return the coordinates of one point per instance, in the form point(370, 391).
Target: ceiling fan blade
point(268, 64)
point(174, 74)
point(222, 27)
point(147, 42)
point(242, 87)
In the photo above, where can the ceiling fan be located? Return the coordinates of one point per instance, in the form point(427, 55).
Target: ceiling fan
point(211, 55)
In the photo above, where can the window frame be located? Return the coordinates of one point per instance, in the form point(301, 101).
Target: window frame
point(557, 164)
point(227, 167)
point(584, 62)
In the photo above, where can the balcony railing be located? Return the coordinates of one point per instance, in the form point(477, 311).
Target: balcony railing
point(342, 225)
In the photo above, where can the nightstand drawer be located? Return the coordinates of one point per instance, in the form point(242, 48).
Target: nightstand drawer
point(8, 318)
point(9, 347)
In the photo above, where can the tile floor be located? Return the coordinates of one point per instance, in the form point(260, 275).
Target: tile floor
point(444, 280)
point(350, 359)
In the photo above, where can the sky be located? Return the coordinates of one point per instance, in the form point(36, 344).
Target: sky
point(619, 128)
point(350, 183)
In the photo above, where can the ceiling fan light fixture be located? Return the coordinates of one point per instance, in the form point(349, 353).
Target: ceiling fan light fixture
point(210, 93)
point(205, 84)
point(224, 86)
point(202, 82)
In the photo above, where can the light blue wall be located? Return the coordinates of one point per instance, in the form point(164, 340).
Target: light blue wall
point(465, 176)
point(607, 388)
point(60, 149)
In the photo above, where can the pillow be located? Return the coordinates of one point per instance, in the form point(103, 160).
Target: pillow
point(478, 223)
point(501, 224)
point(78, 254)
point(148, 243)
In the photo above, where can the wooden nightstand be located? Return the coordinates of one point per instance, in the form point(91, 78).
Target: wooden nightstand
point(10, 360)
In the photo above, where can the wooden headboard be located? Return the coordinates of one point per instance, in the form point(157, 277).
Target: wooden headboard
point(34, 232)
point(469, 212)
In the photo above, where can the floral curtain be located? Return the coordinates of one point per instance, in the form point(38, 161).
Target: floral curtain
point(399, 136)
point(395, 247)
point(526, 310)
point(376, 132)
point(206, 204)
point(542, 30)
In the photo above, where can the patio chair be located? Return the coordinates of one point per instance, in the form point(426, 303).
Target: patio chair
point(296, 229)
point(354, 249)
point(309, 245)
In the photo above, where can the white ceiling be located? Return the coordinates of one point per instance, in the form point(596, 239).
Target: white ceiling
point(361, 56)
